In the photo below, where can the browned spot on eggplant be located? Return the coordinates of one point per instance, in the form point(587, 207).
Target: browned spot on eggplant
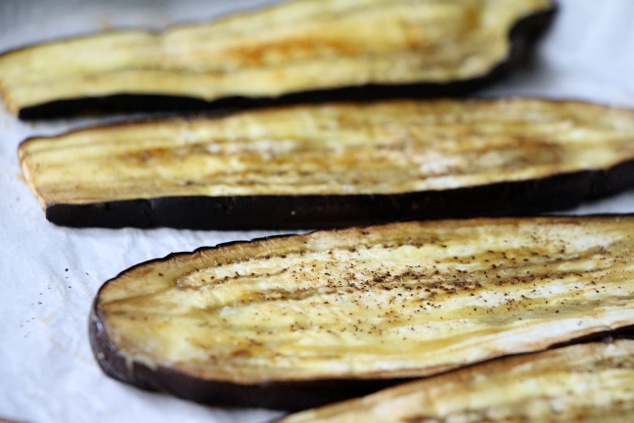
point(294, 52)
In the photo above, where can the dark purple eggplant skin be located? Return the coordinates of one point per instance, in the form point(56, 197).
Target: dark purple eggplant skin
point(518, 198)
point(276, 395)
point(523, 37)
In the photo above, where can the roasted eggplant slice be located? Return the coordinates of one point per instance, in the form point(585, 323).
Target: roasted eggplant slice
point(291, 322)
point(581, 383)
point(297, 51)
point(335, 165)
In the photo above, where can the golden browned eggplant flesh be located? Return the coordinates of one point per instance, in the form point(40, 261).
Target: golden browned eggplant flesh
point(335, 165)
point(291, 322)
point(581, 383)
point(299, 47)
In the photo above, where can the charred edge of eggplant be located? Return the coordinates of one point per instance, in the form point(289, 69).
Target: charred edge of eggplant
point(278, 395)
point(522, 35)
point(517, 198)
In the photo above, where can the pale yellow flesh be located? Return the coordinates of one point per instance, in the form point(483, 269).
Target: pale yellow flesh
point(407, 299)
point(381, 148)
point(581, 383)
point(296, 46)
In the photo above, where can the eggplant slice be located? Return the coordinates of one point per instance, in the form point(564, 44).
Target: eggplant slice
point(581, 383)
point(293, 322)
point(335, 165)
point(302, 50)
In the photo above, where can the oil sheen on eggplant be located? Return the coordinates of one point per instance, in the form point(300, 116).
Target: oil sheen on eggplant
point(335, 165)
point(305, 46)
point(581, 383)
point(292, 322)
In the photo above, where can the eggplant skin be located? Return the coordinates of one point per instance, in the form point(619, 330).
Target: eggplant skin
point(275, 395)
point(293, 322)
point(581, 383)
point(183, 78)
point(520, 198)
point(335, 165)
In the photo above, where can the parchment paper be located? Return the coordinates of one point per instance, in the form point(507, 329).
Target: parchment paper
point(49, 275)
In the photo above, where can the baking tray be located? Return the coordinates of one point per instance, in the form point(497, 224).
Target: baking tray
point(49, 275)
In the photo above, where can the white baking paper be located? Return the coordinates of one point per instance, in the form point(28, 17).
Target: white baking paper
point(49, 275)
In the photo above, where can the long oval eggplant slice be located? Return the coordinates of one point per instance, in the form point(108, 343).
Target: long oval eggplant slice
point(581, 383)
point(300, 50)
point(335, 165)
point(291, 322)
